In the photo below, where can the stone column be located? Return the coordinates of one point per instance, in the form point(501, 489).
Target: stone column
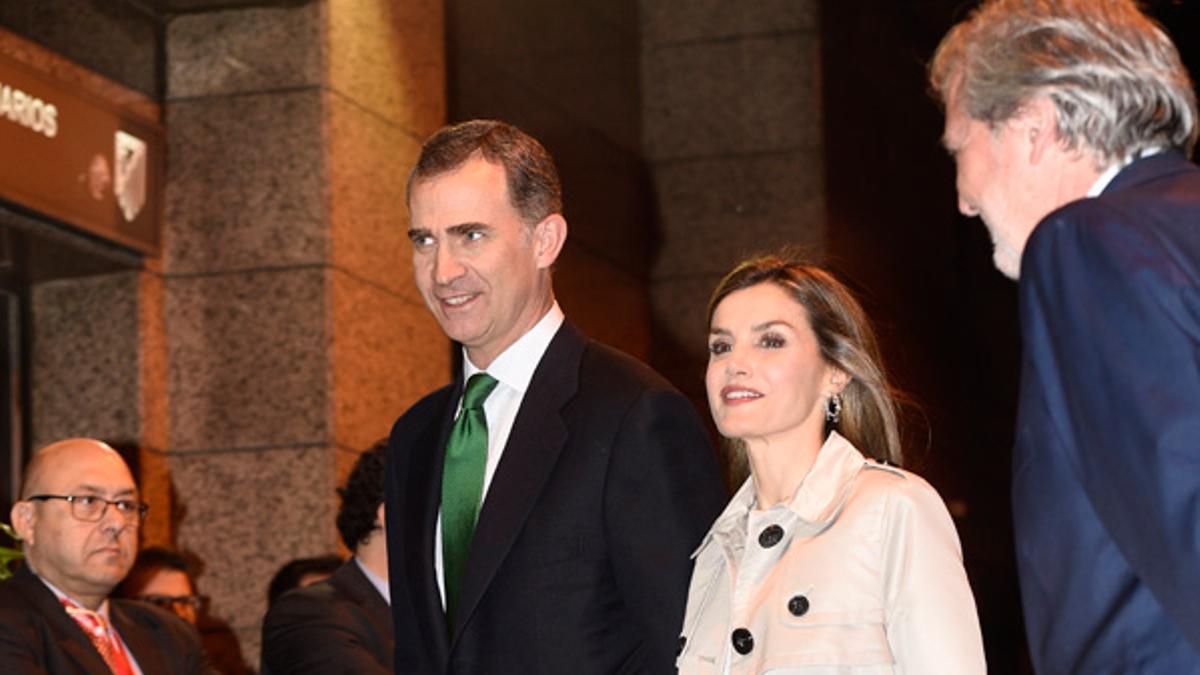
point(732, 134)
point(294, 334)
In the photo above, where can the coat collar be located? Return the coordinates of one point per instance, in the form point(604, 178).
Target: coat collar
point(816, 504)
point(1148, 169)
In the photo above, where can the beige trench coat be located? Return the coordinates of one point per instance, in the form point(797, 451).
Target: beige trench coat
point(861, 573)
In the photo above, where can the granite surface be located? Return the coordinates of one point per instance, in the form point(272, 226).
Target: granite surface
point(118, 40)
point(606, 302)
point(389, 58)
point(84, 377)
point(246, 184)
point(248, 359)
point(707, 99)
point(244, 50)
point(714, 212)
point(677, 21)
point(368, 160)
point(245, 514)
point(387, 353)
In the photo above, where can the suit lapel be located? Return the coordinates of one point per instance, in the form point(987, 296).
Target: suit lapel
point(537, 437)
point(139, 638)
point(70, 637)
point(424, 492)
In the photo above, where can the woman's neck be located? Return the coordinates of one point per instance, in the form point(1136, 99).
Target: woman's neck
point(779, 465)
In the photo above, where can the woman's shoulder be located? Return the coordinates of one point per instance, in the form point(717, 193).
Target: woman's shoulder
point(898, 488)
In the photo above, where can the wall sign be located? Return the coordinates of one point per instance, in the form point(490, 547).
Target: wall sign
point(78, 158)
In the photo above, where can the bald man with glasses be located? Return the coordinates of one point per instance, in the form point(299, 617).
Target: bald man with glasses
point(78, 519)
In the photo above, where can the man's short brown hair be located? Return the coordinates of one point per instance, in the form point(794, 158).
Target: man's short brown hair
point(533, 185)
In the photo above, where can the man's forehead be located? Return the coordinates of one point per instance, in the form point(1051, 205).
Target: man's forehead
point(83, 467)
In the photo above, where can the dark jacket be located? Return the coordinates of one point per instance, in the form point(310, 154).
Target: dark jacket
point(38, 636)
point(339, 625)
point(580, 560)
point(1106, 469)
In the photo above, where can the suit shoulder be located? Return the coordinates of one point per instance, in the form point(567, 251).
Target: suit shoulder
point(422, 412)
point(319, 599)
point(605, 366)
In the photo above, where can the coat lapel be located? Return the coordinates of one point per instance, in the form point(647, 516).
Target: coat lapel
point(537, 437)
point(70, 637)
point(140, 639)
point(424, 492)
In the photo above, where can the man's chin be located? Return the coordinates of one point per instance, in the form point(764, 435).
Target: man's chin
point(1007, 262)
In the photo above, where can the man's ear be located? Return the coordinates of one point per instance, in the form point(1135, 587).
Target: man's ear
point(22, 517)
point(548, 239)
point(1038, 122)
point(380, 518)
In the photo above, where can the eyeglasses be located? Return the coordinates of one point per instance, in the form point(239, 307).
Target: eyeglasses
point(91, 508)
point(172, 601)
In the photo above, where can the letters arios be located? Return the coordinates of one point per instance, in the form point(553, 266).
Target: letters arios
point(29, 111)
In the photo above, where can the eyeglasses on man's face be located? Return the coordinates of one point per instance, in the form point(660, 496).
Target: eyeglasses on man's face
point(91, 508)
point(193, 602)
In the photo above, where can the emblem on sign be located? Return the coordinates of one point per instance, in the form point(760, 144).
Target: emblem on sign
point(129, 160)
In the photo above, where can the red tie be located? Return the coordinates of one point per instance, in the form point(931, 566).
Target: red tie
point(110, 648)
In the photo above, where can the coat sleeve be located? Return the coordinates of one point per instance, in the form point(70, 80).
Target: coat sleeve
point(663, 490)
point(931, 623)
point(304, 633)
point(1111, 320)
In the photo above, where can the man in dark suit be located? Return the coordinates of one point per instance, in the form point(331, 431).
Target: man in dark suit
point(547, 527)
point(341, 624)
point(1070, 123)
point(78, 520)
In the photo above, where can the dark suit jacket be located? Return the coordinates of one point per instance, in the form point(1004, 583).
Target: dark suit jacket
point(339, 625)
point(38, 636)
point(1106, 483)
point(580, 560)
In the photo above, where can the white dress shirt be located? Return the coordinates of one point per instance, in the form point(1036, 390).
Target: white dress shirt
point(513, 369)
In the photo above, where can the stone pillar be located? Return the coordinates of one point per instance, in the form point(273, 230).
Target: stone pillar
point(732, 134)
point(294, 334)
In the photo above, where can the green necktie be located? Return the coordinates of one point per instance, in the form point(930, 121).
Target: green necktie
point(462, 486)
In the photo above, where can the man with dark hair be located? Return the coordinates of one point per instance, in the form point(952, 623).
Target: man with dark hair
point(341, 624)
point(160, 576)
point(543, 506)
point(78, 519)
point(300, 573)
point(1070, 122)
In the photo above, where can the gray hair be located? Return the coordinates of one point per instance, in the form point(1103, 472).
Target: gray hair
point(1114, 76)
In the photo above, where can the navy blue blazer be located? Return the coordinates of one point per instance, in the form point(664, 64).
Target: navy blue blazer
point(580, 561)
point(1106, 469)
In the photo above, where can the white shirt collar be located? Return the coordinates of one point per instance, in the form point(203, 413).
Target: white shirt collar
point(380, 585)
point(102, 610)
point(514, 366)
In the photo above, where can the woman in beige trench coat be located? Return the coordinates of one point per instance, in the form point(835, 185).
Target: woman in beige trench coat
point(830, 559)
